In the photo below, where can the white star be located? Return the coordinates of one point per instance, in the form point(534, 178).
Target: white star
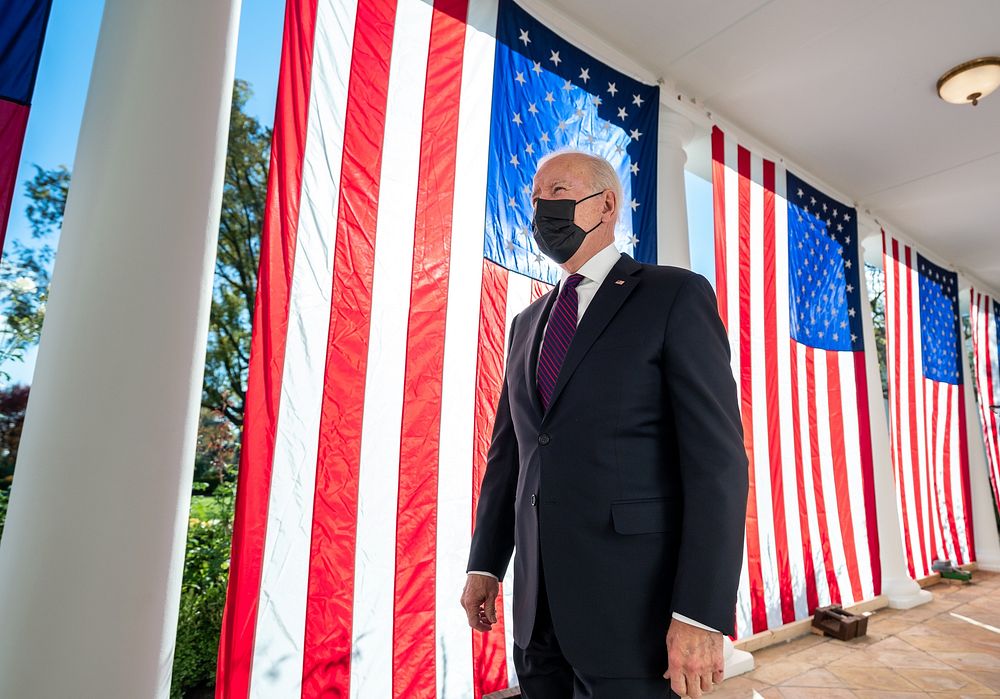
point(850, 288)
point(635, 134)
point(532, 109)
point(517, 119)
point(555, 57)
point(596, 100)
point(800, 193)
point(539, 258)
point(549, 98)
point(847, 264)
point(612, 89)
point(567, 85)
point(509, 244)
point(812, 200)
point(545, 137)
point(618, 149)
point(847, 217)
point(634, 167)
point(514, 161)
point(537, 68)
point(637, 100)
point(585, 75)
point(633, 240)
point(835, 213)
point(839, 227)
point(622, 113)
point(634, 204)
point(824, 206)
point(529, 149)
point(526, 189)
point(562, 126)
point(850, 312)
point(520, 79)
point(847, 240)
point(524, 37)
point(510, 202)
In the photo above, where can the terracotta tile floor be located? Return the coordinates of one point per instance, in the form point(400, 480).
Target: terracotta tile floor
point(920, 652)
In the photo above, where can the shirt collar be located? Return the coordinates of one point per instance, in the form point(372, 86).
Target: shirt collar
point(597, 268)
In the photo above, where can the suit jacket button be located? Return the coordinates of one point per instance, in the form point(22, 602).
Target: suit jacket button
point(534, 499)
point(544, 438)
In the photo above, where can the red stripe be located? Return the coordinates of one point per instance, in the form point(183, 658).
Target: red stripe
point(771, 377)
point(868, 470)
point(894, 392)
point(817, 477)
point(932, 475)
point(267, 351)
point(719, 201)
point(415, 616)
point(812, 597)
point(330, 598)
point(13, 122)
point(963, 455)
point(918, 487)
point(539, 289)
point(757, 601)
point(841, 485)
point(930, 436)
point(489, 659)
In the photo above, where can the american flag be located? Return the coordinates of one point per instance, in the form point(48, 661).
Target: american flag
point(789, 292)
point(926, 408)
point(22, 32)
point(984, 317)
point(394, 255)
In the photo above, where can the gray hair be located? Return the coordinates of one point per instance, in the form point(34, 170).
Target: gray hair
point(602, 173)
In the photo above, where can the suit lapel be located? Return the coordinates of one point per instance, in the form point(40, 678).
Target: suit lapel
point(536, 329)
point(618, 286)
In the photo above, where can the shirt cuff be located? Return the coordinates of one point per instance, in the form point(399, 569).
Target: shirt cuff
point(482, 572)
point(689, 620)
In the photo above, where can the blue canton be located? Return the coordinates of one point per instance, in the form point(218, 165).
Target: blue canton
point(824, 300)
point(549, 95)
point(940, 337)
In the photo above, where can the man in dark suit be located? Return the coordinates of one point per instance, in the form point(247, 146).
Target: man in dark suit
point(617, 467)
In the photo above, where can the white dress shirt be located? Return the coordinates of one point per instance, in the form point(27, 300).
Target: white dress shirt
point(595, 271)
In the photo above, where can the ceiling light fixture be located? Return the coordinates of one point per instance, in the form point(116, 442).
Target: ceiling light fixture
point(971, 81)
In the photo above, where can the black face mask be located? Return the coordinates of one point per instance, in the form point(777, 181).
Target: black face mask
point(554, 231)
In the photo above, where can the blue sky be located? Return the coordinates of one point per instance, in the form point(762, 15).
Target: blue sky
point(61, 90)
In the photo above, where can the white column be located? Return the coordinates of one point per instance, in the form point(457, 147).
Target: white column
point(984, 522)
point(901, 591)
point(93, 549)
point(672, 246)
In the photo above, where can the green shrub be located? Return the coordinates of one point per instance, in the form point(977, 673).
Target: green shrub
point(4, 497)
point(203, 594)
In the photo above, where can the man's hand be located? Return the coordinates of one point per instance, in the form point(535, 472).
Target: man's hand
point(479, 600)
point(694, 659)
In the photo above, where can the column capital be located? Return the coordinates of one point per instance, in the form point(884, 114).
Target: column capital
point(676, 130)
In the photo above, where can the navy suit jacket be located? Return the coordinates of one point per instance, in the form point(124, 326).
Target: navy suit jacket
point(631, 489)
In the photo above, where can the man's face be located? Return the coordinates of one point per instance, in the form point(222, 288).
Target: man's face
point(568, 177)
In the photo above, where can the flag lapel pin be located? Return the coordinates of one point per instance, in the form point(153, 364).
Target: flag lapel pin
point(620, 282)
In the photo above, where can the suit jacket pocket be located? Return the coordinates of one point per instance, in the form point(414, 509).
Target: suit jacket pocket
point(646, 516)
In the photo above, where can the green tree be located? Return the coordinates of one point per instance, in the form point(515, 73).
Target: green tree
point(24, 270)
point(240, 224)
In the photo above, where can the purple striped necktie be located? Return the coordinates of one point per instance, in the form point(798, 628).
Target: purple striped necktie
point(558, 334)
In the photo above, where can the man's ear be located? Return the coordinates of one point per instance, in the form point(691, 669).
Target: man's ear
point(610, 202)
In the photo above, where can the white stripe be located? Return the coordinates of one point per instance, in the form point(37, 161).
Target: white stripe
point(378, 481)
point(828, 478)
point(765, 510)
point(816, 540)
point(855, 476)
point(938, 444)
point(453, 648)
point(278, 648)
point(783, 333)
